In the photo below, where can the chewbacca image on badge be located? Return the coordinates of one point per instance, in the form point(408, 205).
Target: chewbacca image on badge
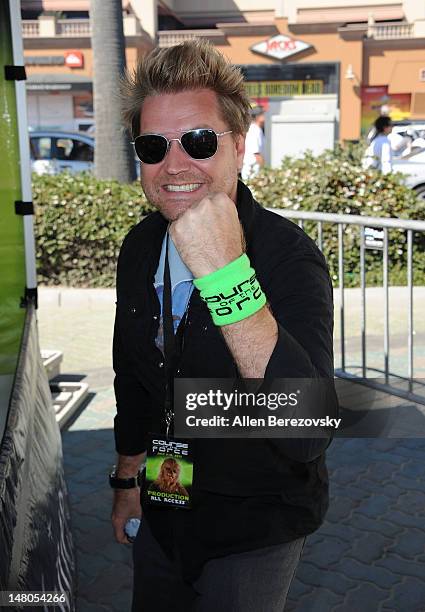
point(168, 479)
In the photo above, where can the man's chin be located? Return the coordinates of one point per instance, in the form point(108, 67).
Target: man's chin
point(173, 210)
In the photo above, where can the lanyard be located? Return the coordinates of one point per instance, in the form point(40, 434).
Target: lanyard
point(172, 346)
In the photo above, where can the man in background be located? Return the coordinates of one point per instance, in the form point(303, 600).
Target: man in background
point(379, 153)
point(254, 144)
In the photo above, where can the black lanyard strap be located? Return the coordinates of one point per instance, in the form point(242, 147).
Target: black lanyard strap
point(169, 346)
point(173, 344)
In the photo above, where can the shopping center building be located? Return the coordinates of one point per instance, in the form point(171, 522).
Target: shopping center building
point(329, 65)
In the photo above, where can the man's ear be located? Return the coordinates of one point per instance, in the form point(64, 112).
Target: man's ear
point(240, 150)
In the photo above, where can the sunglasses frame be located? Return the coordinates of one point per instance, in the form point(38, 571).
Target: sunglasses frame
point(170, 140)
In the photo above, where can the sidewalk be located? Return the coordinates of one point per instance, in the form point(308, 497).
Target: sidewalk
point(104, 567)
point(82, 320)
point(369, 556)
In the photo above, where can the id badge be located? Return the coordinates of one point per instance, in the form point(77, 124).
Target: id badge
point(169, 472)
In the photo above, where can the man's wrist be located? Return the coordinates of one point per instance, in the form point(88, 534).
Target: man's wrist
point(128, 466)
point(118, 481)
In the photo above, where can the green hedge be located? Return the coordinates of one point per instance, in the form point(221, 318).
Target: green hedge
point(80, 225)
point(81, 222)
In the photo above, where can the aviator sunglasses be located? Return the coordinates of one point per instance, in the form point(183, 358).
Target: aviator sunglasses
point(198, 144)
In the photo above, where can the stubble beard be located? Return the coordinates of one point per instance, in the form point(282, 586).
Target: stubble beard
point(173, 210)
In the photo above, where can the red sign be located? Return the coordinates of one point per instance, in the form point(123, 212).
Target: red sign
point(280, 45)
point(74, 59)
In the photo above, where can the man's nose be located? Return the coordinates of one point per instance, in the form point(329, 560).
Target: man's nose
point(177, 160)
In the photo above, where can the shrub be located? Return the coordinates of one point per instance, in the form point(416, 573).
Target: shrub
point(80, 225)
point(81, 222)
point(334, 182)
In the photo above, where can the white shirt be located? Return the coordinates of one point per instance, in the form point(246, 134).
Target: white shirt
point(254, 144)
point(379, 155)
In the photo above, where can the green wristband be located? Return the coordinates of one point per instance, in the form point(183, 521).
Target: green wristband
point(231, 293)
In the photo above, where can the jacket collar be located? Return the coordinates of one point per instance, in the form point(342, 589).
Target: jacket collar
point(246, 206)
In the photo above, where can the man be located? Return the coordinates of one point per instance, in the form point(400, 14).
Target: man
point(379, 154)
point(253, 500)
point(254, 144)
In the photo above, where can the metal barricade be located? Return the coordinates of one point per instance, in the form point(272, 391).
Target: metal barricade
point(384, 224)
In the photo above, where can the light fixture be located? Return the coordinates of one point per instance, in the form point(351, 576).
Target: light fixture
point(349, 73)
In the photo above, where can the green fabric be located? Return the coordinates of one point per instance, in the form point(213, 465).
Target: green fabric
point(231, 293)
point(12, 255)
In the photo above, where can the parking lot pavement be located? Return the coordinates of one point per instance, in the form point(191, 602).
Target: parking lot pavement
point(369, 555)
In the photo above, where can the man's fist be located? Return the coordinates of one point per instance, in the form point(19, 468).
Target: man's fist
point(208, 235)
point(126, 506)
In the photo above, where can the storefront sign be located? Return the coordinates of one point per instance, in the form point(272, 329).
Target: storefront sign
point(278, 89)
point(44, 60)
point(48, 86)
point(74, 59)
point(280, 47)
point(58, 86)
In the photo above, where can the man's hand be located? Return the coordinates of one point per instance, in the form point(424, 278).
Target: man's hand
point(126, 506)
point(208, 235)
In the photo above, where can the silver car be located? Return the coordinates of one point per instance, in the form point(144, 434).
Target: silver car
point(53, 152)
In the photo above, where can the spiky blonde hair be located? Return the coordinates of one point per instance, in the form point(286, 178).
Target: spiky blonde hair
point(191, 65)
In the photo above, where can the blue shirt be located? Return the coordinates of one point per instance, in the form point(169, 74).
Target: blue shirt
point(181, 286)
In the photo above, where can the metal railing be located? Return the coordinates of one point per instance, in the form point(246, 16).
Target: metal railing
point(390, 31)
point(384, 224)
point(74, 27)
point(71, 28)
point(30, 28)
point(169, 38)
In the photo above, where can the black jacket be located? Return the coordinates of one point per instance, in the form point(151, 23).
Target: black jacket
point(248, 493)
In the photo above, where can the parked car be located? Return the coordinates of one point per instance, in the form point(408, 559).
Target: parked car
point(412, 166)
point(53, 152)
point(409, 128)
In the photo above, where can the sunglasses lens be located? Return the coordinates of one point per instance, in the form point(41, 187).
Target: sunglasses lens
point(200, 144)
point(151, 148)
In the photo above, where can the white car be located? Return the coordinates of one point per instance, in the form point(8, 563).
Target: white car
point(53, 152)
point(412, 166)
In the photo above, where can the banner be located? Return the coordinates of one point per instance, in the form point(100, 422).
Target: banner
point(36, 550)
point(35, 533)
point(282, 89)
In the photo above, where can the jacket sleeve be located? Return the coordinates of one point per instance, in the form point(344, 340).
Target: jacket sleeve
point(299, 292)
point(133, 418)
